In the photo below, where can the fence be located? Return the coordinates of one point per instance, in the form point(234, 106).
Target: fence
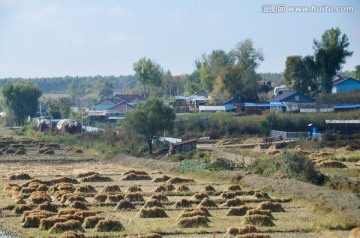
point(290, 135)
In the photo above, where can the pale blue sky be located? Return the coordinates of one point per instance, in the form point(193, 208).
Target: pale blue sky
point(89, 37)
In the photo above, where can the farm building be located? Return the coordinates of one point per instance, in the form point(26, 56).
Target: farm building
point(129, 98)
point(180, 106)
point(184, 146)
point(345, 85)
point(237, 105)
point(104, 104)
point(291, 100)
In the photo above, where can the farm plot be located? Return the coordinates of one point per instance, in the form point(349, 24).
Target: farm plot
point(19, 150)
point(105, 199)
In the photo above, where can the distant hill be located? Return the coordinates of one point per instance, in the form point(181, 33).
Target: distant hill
point(272, 77)
point(60, 84)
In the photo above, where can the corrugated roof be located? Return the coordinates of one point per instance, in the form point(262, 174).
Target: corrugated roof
point(284, 96)
point(337, 82)
point(186, 142)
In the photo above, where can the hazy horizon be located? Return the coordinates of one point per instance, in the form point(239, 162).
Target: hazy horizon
point(56, 38)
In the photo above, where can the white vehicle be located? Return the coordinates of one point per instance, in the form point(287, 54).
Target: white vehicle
point(279, 90)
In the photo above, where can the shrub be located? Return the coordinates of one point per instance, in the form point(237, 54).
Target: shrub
point(297, 165)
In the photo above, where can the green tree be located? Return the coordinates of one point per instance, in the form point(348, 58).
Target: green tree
point(104, 88)
point(356, 73)
point(149, 120)
point(148, 73)
point(330, 53)
point(246, 56)
point(54, 110)
point(21, 99)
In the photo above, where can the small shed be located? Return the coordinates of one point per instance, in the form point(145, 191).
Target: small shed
point(184, 146)
point(345, 85)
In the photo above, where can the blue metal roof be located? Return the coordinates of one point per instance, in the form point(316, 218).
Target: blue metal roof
point(347, 106)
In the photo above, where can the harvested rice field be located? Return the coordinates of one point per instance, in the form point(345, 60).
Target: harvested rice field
point(98, 200)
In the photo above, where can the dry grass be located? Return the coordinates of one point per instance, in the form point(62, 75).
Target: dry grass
point(260, 212)
point(257, 220)
point(234, 231)
point(111, 189)
point(71, 225)
point(22, 176)
point(18, 210)
point(206, 202)
point(164, 188)
point(177, 180)
point(133, 189)
point(182, 203)
point(124, 205)
point(272, 206)
point(199, 196)
point(95, 178)
point(330, 164)
point(100, 198)
point(235, 202)
point(164, 178)
point(191, 222)
point(130, 177)
point(355, 233)
point(160, 197)
point(64, 180)
point(78, 205)
point(254, 235)
point(109, 225)
point(153, 203)
point(209, 189)
point(38, 197)
point(238, 211)
point(114, 198)
point(62, 186)
point(137, 172)
point(92, 221)
point(261, 195)
point(234, 188)
point(85, 189)
point(71, 234)
point(47, 206)
point(227, 195)
point(192, 213)
point(134, 197)
point(47, 223)
point(152, 212)
point(87, 174)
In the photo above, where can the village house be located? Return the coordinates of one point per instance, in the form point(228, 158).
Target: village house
point(345, 85)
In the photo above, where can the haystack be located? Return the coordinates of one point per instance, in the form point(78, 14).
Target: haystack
point(109, 225)
point(124, 205)
point(160, 197)
point(260, 212)
point(91, 222)
point(182, 188)
point(192, 213)
point(191, 222)
point(10, 186)
point(36, 213)
point(114, 198)
point(206, 202)
point(183, 203)
point(254, 235)
point(85, 214)
point(42, 187)
point(32, 219)
point(74, 198)
point(68, 211)
point(234, 188)
point(164, 188)
point(152, 212)
point(199, 196)
point(71, 234)
point(133, 189)
point(272, 206)
point(73, 217)
point(20, 209)
point(47, 206)
point(153, 203)
point(235, 202)
point(209, 189)
point(257, 220)
point(38, 197)
point(111, 189)
point(355, 233)
point(238, 211)
point(47, 223)
point(22, 176)
point(71, 225)
point(66, 187)
point(164, 178)
point(95, 178)
point(330, 164)
point(64, 180)
point(261, 195)
point(177, 180)
point(137, 172)
point(87, 174)
point(100, 198)
point(227, 195)
point(78, 205)
point(235, 231)
point(85, 189)
point(134, 197)
point(131, 176)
